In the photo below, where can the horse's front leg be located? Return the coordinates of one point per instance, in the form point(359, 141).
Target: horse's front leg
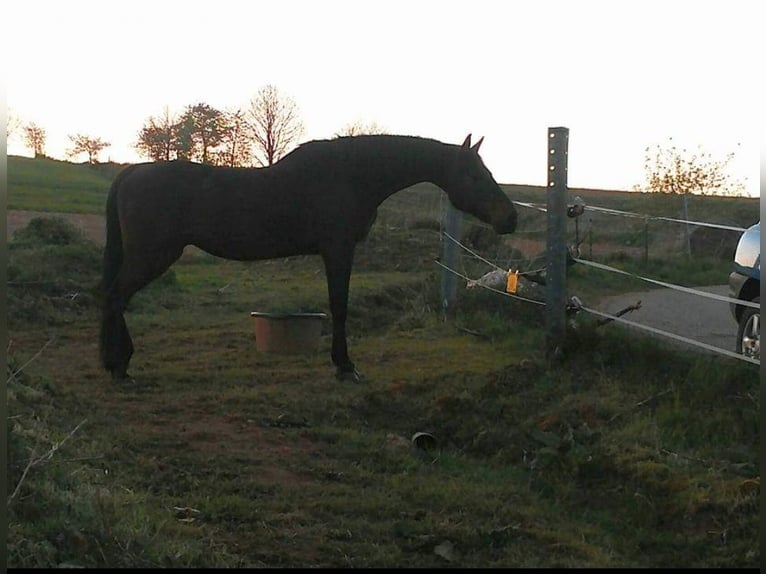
point(338, 270)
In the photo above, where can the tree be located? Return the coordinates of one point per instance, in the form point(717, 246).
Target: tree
point(86, 144)
point(183, 139)
point(201, 130)
point(157, 139)
point(12, 124)
point(235, 149)
point(275, 123)
point(669, 170)
point(358, 128)
point(34, 138)
point(193, 136)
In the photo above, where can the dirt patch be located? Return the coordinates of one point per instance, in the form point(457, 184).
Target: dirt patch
point(92, 225)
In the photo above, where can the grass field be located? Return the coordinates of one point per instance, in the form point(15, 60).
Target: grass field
point(626, 454)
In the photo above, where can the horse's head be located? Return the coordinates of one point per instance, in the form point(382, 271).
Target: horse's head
point(471, 188)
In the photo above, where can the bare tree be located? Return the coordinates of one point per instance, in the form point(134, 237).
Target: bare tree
point(276, 125)
point(34, 138)
point(86, 144)
point(156, 140)
point(358, 128)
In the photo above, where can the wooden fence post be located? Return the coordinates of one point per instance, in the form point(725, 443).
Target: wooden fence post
point(453, 225)
point(556, 248)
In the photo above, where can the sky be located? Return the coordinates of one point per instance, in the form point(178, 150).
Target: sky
point(622, 76)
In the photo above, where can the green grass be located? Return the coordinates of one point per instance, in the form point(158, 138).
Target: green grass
point(626, 454)
point(42, 184)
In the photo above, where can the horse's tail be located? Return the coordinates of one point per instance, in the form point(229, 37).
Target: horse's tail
point(112, 260)
point(113, 247)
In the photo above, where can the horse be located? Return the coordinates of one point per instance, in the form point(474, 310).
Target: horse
point(321, 198)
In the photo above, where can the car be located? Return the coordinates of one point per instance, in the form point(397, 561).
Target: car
point(745, 284)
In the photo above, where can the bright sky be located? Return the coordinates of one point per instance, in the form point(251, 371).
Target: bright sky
point(620, 75)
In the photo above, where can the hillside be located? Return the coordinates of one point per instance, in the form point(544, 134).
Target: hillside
point(59, 186)
point(50, 185)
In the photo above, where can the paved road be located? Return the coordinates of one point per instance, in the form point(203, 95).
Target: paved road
point(693, 316)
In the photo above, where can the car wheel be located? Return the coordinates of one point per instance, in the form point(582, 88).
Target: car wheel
point(749, 332)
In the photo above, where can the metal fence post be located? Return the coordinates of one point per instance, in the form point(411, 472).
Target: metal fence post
point(556, 249)
point(687, 239)
point(646, 241)
point(453, 219)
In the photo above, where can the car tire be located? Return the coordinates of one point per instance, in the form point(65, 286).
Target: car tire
point(749, 332)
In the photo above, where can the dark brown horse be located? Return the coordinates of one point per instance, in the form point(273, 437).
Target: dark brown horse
point(322, 198)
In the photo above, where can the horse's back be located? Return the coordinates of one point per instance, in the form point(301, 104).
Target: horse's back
point(165, 177)
point(235, 213)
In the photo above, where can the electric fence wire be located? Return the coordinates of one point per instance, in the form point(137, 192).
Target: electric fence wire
point(609, 316)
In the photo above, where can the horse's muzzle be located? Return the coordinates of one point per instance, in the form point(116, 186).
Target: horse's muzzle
point(506, 224)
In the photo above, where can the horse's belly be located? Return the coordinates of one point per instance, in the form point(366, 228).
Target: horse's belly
point(252, 246)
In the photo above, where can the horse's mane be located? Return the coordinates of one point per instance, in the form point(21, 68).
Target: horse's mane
point(371, 139)
point(347, 147)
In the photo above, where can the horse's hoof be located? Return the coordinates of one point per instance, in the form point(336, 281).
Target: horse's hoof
point(353, 376)
point(122, 378)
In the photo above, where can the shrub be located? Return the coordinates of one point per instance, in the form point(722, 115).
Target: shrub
point(48, 231)
point(53, 272)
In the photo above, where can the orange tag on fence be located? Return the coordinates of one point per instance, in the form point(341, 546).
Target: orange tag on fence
point(512, 281)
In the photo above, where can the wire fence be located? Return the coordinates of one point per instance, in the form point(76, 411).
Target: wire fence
point(606, 239)
point(603, 234)
point(501, 268)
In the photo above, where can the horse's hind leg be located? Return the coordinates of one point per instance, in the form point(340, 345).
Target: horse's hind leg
point(136, 272)
point(116, 346)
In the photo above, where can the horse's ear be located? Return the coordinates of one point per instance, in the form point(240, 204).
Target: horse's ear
point(467, 141)
point(476, 147)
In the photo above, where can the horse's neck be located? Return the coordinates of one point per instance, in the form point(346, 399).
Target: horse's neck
point(403, 164)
